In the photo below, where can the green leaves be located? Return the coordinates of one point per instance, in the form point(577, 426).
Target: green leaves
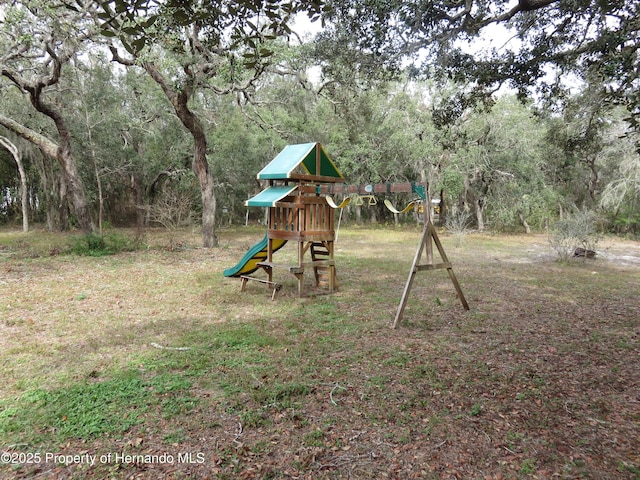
point(585, 38)
point(250, 21)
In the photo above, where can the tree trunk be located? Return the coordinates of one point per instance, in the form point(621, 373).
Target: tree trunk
point(209, 238)
point(202, 171)
point(62, 153)
point(63, 207)
point(442, 209)
point(138, 195)
point(49, 189)
point(524, 223)
point(76, 191)
point(592, 184)
point(96, 170)
point(70, 171)
point(179, 101)
point(24, 193)
point(373, 217)
point(480, 204)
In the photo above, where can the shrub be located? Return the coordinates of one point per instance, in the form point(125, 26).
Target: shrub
point(578, 230)
point(458, 224)
point(172, 210)
point(94, 245)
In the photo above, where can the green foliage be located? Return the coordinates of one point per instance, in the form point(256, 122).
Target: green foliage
point(241, 337)
point(495, 167)
point(475, 410)
point(379, 123)
point(536, 209)
point(569, 36)
point(140, 25)
point(627, 221)
point(452, 181)
point(528, 467)
point(113, 405)
point(94, 245)
point(169, 382)
point(281, 393)
point(314, 438)
point(178, 405)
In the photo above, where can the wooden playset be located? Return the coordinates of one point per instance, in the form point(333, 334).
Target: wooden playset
point(299, 181)
point(297, 213)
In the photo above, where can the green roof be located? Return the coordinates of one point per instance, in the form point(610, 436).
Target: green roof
point(269, 196)
point(307, 159)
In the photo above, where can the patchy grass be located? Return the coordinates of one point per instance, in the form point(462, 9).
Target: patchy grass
point(153, 352)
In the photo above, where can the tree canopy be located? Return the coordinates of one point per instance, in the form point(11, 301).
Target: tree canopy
point(538, 44)
point(206, 93)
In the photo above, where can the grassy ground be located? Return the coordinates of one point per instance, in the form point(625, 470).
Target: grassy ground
point(151, 364)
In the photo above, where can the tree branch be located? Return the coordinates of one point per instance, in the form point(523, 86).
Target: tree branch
point(47, 147)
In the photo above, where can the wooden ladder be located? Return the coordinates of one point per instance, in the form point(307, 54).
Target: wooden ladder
point(320, 253)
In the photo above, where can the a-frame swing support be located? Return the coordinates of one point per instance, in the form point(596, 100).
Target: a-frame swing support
point(429, 237)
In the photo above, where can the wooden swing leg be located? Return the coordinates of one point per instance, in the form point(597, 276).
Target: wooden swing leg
point(412, 276)
point(405, 297)
point(452, 275)
point(332, 278)
point(456, 285)
point(429, 235)
point(302, 249)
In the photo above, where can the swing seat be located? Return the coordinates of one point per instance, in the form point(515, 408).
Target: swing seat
point(393, 209)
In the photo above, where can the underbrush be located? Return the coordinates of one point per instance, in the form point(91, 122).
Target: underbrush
point(94, 245)
point(577, 232)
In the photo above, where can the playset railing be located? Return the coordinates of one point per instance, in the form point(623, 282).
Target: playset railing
point(306, 218)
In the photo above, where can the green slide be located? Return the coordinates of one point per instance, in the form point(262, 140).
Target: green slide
point(249, 263)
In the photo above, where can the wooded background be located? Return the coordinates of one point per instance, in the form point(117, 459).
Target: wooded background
point(137, 113)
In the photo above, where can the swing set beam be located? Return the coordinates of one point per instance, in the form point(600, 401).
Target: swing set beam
point(368, 189)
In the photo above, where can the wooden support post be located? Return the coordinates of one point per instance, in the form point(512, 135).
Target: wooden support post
point(268, 268)
point(300, 275)
point(429, 235)
point(269, 259)
point(332, 267)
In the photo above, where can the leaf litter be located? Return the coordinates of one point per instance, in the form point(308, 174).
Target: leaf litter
point(539, 379)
